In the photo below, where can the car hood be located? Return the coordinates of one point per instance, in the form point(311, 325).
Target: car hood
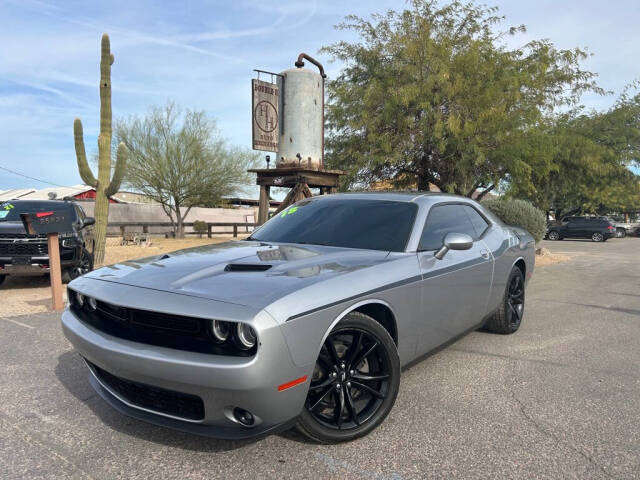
point(243, 272)
point(12, 228)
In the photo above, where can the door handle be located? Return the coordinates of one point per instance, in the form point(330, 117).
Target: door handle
point(485, 254)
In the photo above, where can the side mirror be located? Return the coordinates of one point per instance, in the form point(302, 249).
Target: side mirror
point(454, 241)
point(88, 221)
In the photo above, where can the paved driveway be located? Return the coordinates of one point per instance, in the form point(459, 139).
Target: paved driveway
point(559, 399)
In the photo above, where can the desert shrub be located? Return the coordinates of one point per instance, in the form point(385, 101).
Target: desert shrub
point(200, 227)
point(520, 213)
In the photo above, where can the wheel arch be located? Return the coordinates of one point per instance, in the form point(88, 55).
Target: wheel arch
point(381, 311)
point(522, 265)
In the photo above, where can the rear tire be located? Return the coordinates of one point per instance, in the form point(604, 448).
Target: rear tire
point(2, 279)
point(508, 318)
point(354, 384)
point(597, 237)
point(621, 233)
point(553, 235)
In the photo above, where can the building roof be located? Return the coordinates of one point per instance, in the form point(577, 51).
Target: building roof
point(12, 194)
point(60, 192)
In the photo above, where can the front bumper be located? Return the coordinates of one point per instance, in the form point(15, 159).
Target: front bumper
point(222, 382)
point(26, 265)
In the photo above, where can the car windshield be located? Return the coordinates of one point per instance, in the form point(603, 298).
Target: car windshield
point(10, 211)
point(351, 223)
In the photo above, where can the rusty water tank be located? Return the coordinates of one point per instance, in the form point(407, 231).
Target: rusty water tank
point(301, 137)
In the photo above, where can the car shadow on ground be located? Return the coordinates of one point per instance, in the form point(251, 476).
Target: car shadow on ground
point(73, 375)
point(29, 281)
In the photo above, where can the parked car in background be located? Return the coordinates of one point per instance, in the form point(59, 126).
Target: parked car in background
point(22, 254)
point(306, 322)
point(623, 228)
point(598, 229)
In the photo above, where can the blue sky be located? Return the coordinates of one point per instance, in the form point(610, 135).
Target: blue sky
point(201, 55)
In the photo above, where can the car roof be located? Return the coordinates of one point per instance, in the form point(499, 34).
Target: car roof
point(397, 196)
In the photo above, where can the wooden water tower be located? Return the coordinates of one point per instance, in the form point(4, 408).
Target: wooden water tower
point(288, 118)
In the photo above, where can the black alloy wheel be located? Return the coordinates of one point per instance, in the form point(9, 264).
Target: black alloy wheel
point(84, 266)
point(597, 237)
point(515, 301)
point(507, 319)
point(354, 383)
point(553, 235)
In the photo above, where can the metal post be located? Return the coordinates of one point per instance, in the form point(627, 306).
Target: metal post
point(263, 207)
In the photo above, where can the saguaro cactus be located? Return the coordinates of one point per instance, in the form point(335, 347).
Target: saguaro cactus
point(105, 185)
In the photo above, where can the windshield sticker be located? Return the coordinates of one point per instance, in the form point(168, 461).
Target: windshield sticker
point(7, 206)
point(289, 211)
point(4, 213)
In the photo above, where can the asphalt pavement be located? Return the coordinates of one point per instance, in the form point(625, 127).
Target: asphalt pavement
point(559, 399)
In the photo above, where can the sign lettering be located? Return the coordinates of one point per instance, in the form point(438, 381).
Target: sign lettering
point(265, 115)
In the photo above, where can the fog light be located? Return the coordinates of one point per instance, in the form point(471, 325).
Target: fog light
point(246, 336)
point(220, 330)
point(243, 416)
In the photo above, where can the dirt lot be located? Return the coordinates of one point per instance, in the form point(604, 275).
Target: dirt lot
point(24, 295)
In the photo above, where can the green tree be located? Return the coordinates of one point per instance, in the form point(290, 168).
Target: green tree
point(432, 94)
point(584, 165)
point(178, 159)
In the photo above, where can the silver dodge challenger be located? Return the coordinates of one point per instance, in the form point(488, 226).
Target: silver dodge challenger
point(305, 323)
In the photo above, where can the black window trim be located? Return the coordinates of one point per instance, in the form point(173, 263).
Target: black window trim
point(439, 204)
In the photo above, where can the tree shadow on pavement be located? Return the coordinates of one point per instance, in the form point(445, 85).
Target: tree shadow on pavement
point(612, 308)
point(73, 375)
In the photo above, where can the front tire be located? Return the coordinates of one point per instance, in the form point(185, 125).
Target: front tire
point(508, 318)
point(84, 266)
point(621, 233)
point(597, 237)
point(2, 278)
point(354, 384)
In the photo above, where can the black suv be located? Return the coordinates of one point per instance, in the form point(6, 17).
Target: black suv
point(598, 229)
point(23, 254)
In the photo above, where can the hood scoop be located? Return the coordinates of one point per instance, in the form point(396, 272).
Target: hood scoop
point(246, 267)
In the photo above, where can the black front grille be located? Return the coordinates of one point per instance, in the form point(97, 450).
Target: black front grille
point(155, 328)
point(24, 248)
point(169, 402)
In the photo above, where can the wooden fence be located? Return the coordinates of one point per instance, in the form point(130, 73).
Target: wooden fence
point(210, 226)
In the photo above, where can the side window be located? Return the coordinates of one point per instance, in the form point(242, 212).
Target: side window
point(444, 219)
point(478, 222)
point(80, 212)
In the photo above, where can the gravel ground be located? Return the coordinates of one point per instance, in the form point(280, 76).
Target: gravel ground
point(26, 295)
point(558, 399)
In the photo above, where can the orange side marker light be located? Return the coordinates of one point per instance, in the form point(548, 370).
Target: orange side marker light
point(292, 383)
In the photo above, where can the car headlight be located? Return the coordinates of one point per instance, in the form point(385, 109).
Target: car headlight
point(80, 299)
point(91, 303)
point(246, 336)
point(220, 330)
point(69, 243)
